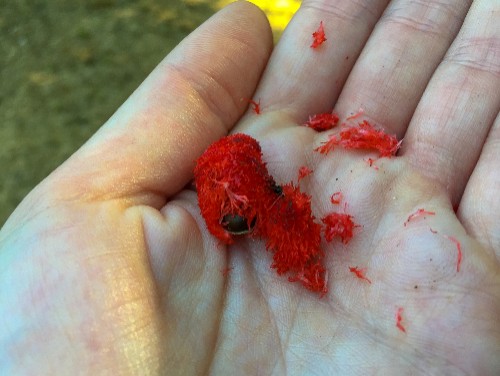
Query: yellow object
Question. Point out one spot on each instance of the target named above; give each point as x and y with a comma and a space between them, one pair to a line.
279, 12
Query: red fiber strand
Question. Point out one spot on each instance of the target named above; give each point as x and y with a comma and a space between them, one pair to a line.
399, 319
417, 214
318, 36
255, 105
338, 225
459, 250
364, 136
360, 273
322, 122
232, 181
303, 172
432, 230
355, 115
371, 163
336, 198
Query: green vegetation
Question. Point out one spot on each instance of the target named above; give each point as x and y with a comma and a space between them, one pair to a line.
66, 66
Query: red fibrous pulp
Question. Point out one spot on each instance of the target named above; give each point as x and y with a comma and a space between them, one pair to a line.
322, 122
364, 136
291, 232
232, 180
318, 36
338, 225
360, 273
303, 172
336, 198
255, 106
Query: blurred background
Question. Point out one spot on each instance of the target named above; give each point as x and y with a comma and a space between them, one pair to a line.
67, 65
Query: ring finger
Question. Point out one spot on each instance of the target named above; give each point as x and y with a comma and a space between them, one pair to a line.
399, 59
300, 80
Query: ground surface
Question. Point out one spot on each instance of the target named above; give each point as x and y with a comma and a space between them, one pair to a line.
65, 66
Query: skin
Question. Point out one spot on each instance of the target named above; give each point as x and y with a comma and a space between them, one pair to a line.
106, 267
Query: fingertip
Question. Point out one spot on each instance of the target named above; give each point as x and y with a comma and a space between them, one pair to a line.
252, 19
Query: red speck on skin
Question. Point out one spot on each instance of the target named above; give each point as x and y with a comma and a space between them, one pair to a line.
355, 115
364, 136
371, 163
336, 198
322, 122
303, 172
459, 250
318, 36
232, 180
360, 273
314, 278
225, 271
255, 105
399, 319
338, 225
418, 213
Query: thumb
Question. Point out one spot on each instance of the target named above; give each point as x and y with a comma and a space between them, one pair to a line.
146, 151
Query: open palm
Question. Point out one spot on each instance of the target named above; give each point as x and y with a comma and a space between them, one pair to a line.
107, 266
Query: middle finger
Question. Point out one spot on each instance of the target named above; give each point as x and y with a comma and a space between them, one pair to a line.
300, 80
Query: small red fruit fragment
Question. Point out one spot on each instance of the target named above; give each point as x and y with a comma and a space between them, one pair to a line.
322, 122
371, 163
360, 273
459, 250
399, 319
303, 172
418, 213
318, 36
338, 225
255, 105
364, 136
355, 115
336, 198
314, 278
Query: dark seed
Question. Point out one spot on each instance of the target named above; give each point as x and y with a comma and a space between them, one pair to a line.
236, 224
277, 189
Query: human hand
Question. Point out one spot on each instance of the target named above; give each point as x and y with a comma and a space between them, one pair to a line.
107, 266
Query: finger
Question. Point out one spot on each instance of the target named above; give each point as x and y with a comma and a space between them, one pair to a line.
303, 81
148, 148
398, 61
460, 103
480, 207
